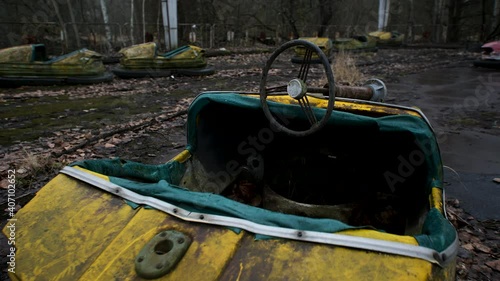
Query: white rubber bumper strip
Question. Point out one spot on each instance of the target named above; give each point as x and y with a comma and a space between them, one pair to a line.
363, 243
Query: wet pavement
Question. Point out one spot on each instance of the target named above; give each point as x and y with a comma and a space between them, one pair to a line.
462, 105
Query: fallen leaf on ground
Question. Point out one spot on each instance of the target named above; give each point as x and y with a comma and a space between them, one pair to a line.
494, 265
4, 184
468, 247
482, 248
115, 140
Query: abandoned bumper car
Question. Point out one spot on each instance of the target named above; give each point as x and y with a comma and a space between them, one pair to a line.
30, 65
490, 57
297, 182
325, 44
143, 60
356, 43
386, 38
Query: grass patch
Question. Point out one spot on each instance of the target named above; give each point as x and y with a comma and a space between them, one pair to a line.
345, 70
465, 122
35, 162
35, 168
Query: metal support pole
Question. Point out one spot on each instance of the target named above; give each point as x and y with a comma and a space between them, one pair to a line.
170, 26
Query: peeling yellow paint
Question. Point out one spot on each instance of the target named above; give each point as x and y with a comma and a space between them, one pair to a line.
182, 157
436, 199
347, 106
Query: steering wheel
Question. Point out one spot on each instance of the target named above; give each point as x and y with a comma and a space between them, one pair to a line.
297, 89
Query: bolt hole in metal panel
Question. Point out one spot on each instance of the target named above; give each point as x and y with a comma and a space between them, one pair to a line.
160, 255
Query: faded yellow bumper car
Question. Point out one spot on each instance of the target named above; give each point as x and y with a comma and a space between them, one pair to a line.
386, 38
30, 65
143, 60
296, 182
357, 43
325, 44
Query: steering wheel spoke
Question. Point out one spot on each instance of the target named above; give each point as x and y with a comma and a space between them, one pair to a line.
308, 111
277, 89
306, 64
297, 90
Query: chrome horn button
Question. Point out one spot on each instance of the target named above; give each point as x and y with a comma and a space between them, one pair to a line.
296, 88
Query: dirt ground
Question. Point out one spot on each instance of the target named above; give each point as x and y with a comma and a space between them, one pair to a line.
144, 121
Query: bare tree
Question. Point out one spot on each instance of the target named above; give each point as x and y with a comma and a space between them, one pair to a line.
158, 25
325, 15
131, 21
454, 19
75, 27
437, 19
387, 13
61, 23
496, 14
106, 23
410, 36
495, 21
383, 13
143, 23
287, 12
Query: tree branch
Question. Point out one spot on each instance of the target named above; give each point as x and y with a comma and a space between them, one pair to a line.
259, 21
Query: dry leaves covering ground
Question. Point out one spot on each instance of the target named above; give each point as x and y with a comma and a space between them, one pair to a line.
479, 252
149, 136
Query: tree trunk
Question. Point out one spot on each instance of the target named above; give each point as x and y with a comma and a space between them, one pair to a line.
483, 20
454, 18
325, 15
132, 22
386, 15
61, 23
496, 15
75, 27
410, 35
105, 18
495, 21
158, 22
143, 23
287, 13
383, 13
437, 21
